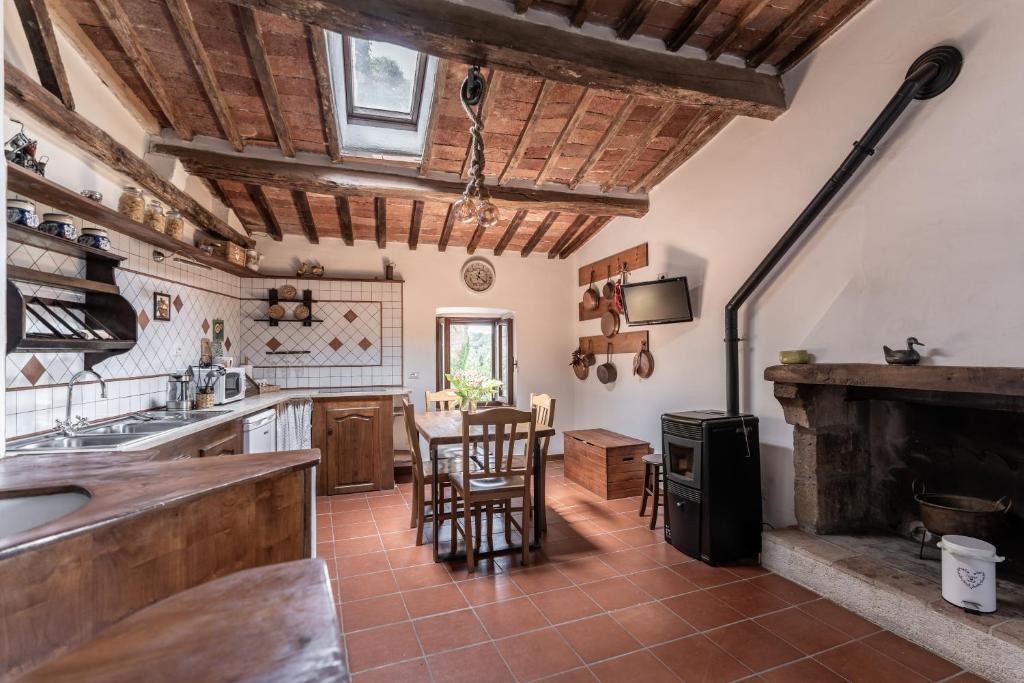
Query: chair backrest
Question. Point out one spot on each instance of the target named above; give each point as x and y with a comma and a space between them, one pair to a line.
414, 441
502, 428
545, 407
440, 400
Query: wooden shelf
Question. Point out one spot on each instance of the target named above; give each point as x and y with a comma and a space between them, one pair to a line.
32, 237
286, 320
623, 342
60, 281
41, 343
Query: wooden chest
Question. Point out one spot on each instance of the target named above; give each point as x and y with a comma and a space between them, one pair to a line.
608, 464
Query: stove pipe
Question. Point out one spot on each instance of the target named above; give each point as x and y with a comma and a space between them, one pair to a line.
929, 75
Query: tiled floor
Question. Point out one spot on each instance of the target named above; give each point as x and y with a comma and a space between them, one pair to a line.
606, 600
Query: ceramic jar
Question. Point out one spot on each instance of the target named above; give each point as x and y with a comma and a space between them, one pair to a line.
22, 212
96, 238
252, 259
132, 204
58, 225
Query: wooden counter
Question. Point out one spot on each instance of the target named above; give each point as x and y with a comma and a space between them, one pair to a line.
274, 623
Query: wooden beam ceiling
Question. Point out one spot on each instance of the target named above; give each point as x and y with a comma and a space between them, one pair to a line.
186, 27
613, 129
581, 12
691, 22
833, 24
584, 236
783, 31
440, 83
633, 19
690, 140
42, 42
261, 66
345, 220
474, 241
446, 232
716, 48
527, 133
302, 208
380, 221
567, 236
414, 224
471, 35
342, 180
259, 200
586, 97
321, 69
657, 123
510, 231
539, 233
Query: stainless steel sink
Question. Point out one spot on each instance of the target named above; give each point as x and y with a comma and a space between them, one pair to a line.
80, 442
23, 511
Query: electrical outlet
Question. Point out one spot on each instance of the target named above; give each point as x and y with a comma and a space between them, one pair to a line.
414, 375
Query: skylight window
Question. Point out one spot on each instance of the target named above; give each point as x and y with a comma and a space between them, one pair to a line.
383, 82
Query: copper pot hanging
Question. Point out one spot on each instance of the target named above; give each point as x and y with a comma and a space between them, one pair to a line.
591, 297
643, 362
606, 372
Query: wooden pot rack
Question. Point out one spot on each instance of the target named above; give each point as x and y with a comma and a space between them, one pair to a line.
628, 260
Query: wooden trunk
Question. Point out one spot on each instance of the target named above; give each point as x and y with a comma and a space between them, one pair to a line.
608, 464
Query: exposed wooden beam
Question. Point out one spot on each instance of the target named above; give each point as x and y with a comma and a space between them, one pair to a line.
613, 129
474, 241
339, 179
414, 224
567, 130
634, 19
583, 237
722, 41
380, 221
690, 23
820, 36
446, 231
440, 81
345, 220
567, 236
42, 43
183, 22
539, 233
31, 97
581, 12
124, 31
259, 200
493, 85
703, 127
322, 71
261, 65
522, 6
470, 34
528, 129
657, 123
510, 231
102, 67
301, 202
782, 32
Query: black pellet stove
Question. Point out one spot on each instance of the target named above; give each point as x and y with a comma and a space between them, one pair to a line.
712, 485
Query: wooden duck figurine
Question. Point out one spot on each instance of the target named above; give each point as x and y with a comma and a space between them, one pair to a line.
908, 356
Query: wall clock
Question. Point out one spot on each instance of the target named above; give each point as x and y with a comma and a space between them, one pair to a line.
478, 275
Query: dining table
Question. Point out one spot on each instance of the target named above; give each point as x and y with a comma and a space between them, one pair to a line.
444, 428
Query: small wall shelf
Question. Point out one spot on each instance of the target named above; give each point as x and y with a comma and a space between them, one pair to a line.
273, 298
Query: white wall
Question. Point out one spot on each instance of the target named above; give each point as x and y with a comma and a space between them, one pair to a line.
925, 242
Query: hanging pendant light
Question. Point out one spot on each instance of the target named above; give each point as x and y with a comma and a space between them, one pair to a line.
475, 205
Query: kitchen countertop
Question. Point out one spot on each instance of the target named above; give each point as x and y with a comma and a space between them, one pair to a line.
274, 623
125, 485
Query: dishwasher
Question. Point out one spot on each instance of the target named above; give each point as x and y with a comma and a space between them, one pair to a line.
259, 432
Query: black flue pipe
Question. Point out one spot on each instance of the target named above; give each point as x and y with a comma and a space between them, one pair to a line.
931, 74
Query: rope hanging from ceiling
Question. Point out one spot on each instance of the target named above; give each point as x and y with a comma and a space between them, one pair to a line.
475, 204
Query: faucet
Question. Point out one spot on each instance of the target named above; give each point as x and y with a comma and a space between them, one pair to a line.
67, 426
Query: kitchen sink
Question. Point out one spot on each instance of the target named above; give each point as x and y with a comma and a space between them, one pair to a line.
24, 511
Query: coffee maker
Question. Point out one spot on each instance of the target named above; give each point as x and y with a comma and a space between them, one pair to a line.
179, 391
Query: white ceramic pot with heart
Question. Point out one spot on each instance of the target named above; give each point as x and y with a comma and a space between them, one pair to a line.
969, 573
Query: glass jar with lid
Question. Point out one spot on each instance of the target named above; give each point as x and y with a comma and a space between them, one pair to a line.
155, 217
175, 224
131, 203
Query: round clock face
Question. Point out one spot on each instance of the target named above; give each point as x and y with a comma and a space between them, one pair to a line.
478, 275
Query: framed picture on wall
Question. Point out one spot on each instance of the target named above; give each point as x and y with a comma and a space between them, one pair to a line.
161, 306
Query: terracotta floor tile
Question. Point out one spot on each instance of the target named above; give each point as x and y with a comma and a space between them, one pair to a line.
537, 654
966, 677
449, 631
355, 531
748, 599
862, 664
421, 576
598, 638
587, 570
666, 554
638, 666
580, 675
607, 543
471, 665
433, 600
615, 593
346, 503
363, 614
408, 557
398, 539
752, 645
619, 522
636, 538
702, 610
747, 571
489, 589
393, 525
384, 645
929, 665
510, 617
413, 671
784, 588
629, 561
565, 604
350, 517
652, 623
357, 546
697, 660
840, 618
662, 582
366, 586
537, 579
704, 575
385, 501
803, 671
351, 565
802, 631
325, 549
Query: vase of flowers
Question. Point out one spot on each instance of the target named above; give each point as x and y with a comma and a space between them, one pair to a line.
471, 387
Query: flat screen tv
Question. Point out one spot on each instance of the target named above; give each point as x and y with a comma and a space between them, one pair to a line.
657, 302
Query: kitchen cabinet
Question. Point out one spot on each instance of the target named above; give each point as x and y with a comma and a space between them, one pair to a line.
224, 439
355, 439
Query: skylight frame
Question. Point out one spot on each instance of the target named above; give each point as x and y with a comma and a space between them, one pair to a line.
383, 116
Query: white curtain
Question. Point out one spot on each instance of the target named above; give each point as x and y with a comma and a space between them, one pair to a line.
295, 425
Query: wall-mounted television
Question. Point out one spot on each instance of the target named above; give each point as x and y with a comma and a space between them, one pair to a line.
657, 302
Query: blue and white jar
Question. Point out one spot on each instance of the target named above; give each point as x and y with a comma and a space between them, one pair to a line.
96, 238
58, 225
22, 212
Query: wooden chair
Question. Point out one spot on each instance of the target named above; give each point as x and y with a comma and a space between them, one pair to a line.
544, 406
440, 400
652, 484
500, 478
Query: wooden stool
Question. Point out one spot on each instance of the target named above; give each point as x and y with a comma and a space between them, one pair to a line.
652, 485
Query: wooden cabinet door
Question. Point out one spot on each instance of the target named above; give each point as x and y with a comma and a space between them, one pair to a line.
352, 458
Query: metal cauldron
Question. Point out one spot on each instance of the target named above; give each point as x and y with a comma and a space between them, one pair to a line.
945, 514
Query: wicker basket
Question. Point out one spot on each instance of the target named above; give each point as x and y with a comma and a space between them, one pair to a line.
204, 400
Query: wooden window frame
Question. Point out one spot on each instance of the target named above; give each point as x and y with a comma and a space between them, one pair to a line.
443, 352
383, 116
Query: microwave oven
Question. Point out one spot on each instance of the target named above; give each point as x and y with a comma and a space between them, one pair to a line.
228, 387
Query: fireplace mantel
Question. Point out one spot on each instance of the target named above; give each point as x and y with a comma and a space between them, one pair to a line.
946, 378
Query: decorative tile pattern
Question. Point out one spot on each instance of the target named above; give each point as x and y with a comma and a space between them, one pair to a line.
273, 344
350, 316
206, 326
33, 370
143, 319
335, 344
178, 303
365, 343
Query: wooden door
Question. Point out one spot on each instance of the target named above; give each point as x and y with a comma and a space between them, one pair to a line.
352, 458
